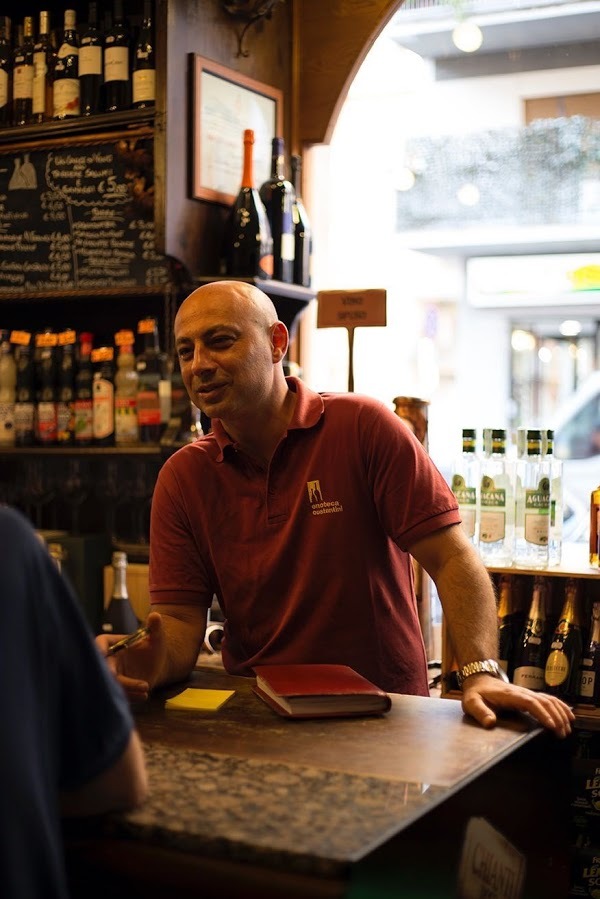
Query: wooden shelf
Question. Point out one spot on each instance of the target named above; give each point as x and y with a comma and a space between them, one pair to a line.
142, 449
574, 563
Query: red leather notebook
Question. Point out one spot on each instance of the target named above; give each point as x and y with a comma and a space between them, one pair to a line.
319, 691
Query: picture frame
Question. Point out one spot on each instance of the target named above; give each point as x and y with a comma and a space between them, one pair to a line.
225, 103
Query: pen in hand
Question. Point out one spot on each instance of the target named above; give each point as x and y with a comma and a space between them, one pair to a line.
128, 641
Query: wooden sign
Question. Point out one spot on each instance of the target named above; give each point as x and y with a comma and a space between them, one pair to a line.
351, 309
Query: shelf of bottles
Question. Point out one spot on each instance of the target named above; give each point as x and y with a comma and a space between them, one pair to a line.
56, 69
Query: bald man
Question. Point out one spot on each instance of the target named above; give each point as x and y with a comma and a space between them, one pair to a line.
300, 512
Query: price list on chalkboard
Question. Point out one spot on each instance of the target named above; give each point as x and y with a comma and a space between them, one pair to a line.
78, 218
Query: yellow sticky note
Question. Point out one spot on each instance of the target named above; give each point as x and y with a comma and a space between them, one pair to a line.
199, 700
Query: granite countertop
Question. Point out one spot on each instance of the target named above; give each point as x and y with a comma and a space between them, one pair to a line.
310, 797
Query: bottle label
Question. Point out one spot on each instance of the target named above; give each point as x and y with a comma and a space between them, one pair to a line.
65, 416
492, 526
103, 420
66, 97
126, 421
116, 64
24, 419
67, 50
3, 88
90, 61
39, 93
529, 676
7, 423
83, 420
23, 82
537, 517
465, 495
288, 247
557, 668
144, 85
468, 520
148, 406
587, 683
46, 422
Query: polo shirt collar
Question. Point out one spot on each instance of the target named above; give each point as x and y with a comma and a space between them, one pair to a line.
307, 413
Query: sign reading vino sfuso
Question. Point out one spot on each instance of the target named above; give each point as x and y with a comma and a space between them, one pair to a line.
79, 217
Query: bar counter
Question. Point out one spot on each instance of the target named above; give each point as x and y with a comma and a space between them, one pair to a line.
246, 803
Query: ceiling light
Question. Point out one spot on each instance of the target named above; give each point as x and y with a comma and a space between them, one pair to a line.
570, 328
467, 36
522, 341
405, 179
468, 195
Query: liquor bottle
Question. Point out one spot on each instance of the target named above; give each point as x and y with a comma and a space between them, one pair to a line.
248, 245
497, 504
23, 76
595, 527
532, 647
532, 509
466, 478
46, 372
589, 684
148, 367
25, 389
90, 65
509, 624
119, 617
562, 673
83, 391
143, 79
6, 56
126, 387
103, 396
65, 406
66, 88
277, 194
302, 228
556, 501
8, 382
43, 72
117, 85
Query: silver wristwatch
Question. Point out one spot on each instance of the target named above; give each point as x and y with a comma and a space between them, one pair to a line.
486, 666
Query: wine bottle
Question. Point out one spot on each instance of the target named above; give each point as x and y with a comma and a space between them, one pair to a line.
532, 647
46, 370
65, 406
302, 228
595, 527
465, 484
148, 367
589, 684
117, 84
508, 625
119, 617
532, 510
126, 389
103, 396
277, 194
66, 88
90, 64
562, 673
144, 66
83, 391
497, 504
43, 72
248, 245
23, 76
5, 73
25, 389
8, 382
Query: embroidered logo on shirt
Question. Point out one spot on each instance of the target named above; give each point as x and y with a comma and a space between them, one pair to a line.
318, 505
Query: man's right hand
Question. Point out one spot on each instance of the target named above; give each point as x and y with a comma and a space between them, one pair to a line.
138, 667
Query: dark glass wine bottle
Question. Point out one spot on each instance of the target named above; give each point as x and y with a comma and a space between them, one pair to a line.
119, 617
65, 406
90, 64
302, 228
117, 83
508, 625
23, 76
43, 72
83, 391
589, 684
144, 66
46, 372
248, 245
25, 390
66, 89
562, 673
103, 396
532, 647
148, 367
5, 72
277, 195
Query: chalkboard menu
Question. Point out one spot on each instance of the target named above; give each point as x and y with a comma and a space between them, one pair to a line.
79, 217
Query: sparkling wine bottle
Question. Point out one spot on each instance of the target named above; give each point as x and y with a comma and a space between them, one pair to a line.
277, 195
589, 685
144, 65
119, 617
248, 245
302, 228
562, 673
532, 647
